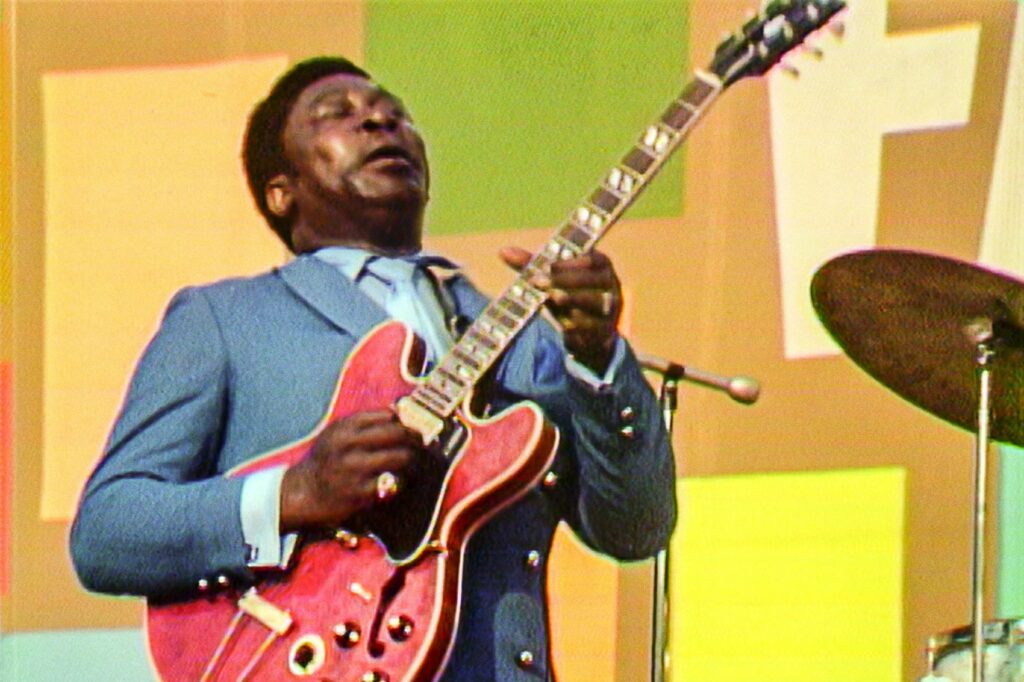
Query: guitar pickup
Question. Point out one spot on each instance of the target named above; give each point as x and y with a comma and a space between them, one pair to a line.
419, 419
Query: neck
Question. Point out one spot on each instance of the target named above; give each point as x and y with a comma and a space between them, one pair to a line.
386, 231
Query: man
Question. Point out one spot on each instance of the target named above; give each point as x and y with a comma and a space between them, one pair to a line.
243, 366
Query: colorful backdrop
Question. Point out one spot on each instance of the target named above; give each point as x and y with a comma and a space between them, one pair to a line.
825, 531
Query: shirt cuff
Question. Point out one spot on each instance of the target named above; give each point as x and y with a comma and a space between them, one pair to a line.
261, 520
589, 377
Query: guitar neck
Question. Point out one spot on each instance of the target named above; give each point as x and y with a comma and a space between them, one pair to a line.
454, 377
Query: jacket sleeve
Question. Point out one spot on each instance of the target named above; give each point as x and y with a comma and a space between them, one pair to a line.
156, 515
616, 467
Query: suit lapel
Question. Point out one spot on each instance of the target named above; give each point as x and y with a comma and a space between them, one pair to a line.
340, 302
332, 295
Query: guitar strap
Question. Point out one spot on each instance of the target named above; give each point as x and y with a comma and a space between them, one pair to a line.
457, 324
439, 278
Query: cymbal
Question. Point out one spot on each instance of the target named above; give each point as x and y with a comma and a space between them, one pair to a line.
912, 321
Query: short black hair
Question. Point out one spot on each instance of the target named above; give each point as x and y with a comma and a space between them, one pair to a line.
263, 146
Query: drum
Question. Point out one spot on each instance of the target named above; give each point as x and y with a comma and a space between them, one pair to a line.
950, 653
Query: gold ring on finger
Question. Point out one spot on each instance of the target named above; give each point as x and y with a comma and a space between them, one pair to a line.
387, 485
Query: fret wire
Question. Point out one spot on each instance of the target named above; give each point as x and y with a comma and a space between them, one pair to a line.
478, 350
463, 370
435, 391
450, 376
578, 235
605, 199
422, 396
513, 306
594, 217
482, 338
504, 322
638, 160
471, 362
529, 295
575, 225
632, 173
481, 356
615, 190
659, 139
678, 115
697, 91
567, 245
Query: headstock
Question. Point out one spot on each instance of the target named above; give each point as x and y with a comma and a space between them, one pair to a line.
779, 27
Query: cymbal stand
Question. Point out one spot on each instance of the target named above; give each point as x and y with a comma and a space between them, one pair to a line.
981, 333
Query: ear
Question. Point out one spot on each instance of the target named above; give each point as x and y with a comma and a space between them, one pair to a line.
278, 193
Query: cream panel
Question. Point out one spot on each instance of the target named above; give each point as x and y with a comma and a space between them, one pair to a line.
827, 129
143, 185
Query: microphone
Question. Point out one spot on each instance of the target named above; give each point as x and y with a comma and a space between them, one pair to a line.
742, 389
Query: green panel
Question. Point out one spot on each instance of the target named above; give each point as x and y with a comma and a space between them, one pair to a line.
1010, 593
79, 655
525, 104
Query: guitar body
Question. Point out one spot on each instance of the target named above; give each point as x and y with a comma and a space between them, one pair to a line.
349, 610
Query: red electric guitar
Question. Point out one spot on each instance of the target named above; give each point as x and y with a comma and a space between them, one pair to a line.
380, 602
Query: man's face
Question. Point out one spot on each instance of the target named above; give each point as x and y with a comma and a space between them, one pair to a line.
351, 141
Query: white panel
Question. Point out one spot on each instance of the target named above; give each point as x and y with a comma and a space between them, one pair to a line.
827, 129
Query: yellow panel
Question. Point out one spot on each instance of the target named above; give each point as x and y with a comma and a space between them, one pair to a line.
144, 194
789, 578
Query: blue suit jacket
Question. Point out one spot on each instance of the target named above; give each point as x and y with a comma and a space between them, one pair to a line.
243, 366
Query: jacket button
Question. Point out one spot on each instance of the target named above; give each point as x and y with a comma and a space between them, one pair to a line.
550, 479
533, 559
524, 659
627, 432
627, 414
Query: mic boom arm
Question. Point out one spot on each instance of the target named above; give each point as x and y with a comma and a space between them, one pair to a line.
742, 389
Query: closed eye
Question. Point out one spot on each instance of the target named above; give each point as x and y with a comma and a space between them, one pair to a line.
333, 111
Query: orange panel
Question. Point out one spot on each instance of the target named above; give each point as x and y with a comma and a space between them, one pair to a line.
6, 403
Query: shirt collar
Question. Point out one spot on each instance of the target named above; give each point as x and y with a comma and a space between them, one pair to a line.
352, 261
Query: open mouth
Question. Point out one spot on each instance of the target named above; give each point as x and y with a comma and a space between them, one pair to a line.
392, 155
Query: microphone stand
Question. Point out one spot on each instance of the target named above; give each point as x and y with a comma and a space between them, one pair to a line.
741, 389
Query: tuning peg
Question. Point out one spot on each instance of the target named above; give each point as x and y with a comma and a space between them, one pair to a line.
789, 70
814, 51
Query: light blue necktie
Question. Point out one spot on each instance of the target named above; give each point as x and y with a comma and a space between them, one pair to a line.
411, 300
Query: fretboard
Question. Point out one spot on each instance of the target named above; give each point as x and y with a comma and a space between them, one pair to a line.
451, 381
